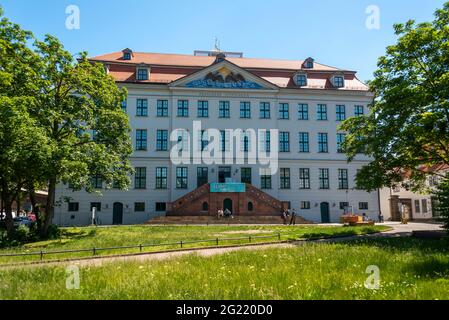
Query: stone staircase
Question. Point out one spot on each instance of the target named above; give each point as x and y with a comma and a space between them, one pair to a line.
209, 220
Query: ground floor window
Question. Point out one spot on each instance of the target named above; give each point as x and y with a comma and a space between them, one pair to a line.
344, 205
305, 205
74, 206
246, 175
161, 207
363, 206
139, 207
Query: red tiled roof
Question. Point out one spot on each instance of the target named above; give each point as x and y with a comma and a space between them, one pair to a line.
166, 68
164, 59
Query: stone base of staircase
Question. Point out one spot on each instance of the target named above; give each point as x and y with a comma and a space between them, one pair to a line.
209, 220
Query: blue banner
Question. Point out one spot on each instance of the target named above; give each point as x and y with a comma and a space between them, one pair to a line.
232, 187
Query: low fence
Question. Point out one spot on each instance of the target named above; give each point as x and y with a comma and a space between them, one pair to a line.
141, 247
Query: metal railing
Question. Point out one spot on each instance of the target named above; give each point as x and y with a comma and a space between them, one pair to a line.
181, 244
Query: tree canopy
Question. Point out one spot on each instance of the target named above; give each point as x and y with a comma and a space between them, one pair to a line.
407, 127
70, 107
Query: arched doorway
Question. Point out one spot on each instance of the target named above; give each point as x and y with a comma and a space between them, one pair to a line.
325, 214
227, 204
117, 213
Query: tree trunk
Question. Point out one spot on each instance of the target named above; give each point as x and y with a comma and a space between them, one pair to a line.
9, 221
50, 207
32, 195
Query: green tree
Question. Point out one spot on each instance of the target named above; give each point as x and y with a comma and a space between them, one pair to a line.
79, 107
24, 149
408, 125
442, 195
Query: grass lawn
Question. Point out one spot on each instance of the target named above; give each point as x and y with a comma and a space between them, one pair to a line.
91, 237
409, 269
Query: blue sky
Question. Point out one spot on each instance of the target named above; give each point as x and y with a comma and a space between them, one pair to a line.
332, 32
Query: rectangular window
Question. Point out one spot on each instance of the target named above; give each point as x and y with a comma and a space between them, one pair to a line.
245, 110
183, 140
303, 111
246, 176
162, 140
74, 206
301, 80
203, 109
225, 143
359, 111
181, 178
304, 178
265, 179
265, 141
203, 140
265, 110
141, 140
424, 206
161, 207
285, 178
340, 140
139, 207
344, 205
183, 108
304, 146
202, 176
162, 108
341, 113
284, 111
161, 178
140, 178
245, 142
142, 108
142, 74
97, 182
96, 205
323, 143
124, 105
284, 142
225, 110
305, 205
343, 179
417, 206
363, 205
322, 112
324, 179
339, 82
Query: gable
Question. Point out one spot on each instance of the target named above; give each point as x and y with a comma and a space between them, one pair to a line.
224, 75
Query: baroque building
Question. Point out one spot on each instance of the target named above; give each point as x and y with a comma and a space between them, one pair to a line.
303, 101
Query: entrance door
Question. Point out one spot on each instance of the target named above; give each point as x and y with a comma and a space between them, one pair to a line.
223, 174
117, 215
325, 214
227, 204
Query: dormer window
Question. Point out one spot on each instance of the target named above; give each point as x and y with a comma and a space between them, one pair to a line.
338, 81
308, 64
127, 54
142, 74
301, 80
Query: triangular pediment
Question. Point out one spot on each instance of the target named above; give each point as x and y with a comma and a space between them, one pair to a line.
223, 75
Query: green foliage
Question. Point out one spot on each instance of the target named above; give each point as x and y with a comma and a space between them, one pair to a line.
408, 124
57, 103
442, 195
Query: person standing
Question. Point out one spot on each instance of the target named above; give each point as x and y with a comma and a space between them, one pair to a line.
293, 218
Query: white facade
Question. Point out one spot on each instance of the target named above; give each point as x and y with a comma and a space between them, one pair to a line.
293, 160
